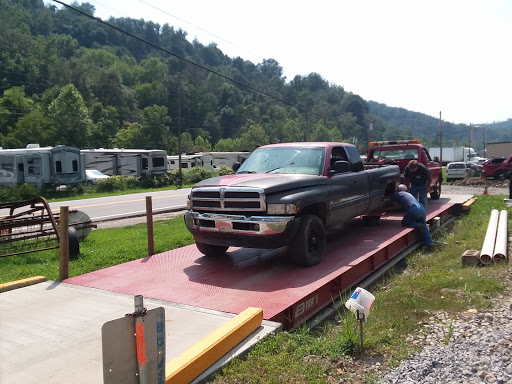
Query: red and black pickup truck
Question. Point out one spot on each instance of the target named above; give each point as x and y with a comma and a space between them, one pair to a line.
400, 152
287, 195
497, 168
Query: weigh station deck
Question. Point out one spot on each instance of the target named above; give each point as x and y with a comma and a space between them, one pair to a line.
54, 336
266, 278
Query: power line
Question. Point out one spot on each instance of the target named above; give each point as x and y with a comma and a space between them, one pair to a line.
190, 61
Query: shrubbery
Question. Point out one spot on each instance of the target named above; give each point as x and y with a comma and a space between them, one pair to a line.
112, 184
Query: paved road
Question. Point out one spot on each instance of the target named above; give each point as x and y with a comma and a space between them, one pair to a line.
116, 207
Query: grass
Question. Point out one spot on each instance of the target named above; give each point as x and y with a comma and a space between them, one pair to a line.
405, 299
102, 248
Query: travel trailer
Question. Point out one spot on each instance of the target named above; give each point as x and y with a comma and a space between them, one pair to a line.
126, 162
190, 161
41, 166
227, 158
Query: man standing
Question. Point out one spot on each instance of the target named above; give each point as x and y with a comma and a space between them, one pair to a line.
417, 179
415, 216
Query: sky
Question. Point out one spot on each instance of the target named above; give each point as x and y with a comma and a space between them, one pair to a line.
439, 57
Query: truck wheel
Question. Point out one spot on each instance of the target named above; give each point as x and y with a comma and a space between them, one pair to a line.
500, 175
436, 193
74, 245
371, 221
211, 250
309, 246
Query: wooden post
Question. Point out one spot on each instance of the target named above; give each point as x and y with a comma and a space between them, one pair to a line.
63, 244
149, 220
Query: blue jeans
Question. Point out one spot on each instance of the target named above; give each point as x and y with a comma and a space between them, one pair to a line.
420, 193
415, 218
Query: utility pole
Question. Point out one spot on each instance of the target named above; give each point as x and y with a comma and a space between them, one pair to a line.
469, 149
440, 139
179, 136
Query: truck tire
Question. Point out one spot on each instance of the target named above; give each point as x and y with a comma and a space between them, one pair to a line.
436, 193
371, 221
309, 246
211, 250
500, 175
74, 245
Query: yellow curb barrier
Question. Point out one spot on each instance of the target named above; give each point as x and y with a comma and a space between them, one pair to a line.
21, 283
202, 355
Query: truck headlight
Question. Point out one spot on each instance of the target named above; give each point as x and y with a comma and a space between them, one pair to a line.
189, 203
281, 209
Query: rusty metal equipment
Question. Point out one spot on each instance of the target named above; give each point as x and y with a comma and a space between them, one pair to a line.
31, 226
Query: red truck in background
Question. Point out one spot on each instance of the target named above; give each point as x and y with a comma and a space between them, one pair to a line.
497, 168
400, 152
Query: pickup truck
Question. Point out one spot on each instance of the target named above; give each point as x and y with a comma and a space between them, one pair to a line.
287, 195
400, 152
497, 168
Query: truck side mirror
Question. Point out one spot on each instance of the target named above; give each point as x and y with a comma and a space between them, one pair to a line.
340, 167
436, 159
236, 166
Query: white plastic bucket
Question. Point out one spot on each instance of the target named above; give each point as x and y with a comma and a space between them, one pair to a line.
362, 301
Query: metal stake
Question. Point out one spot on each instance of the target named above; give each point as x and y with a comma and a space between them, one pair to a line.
360, 320
140, 343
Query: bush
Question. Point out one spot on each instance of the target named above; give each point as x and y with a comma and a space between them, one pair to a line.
21, 192
113, 183
196, 174
223, 170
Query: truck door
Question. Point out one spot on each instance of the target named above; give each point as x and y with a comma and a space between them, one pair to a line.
348, 192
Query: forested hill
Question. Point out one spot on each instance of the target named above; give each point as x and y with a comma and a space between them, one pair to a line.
66, 78
428, 127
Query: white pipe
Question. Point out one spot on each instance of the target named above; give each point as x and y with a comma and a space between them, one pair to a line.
490, 238
500, 248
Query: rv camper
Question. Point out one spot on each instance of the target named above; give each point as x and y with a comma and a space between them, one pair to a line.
190, 161
227, 158
126, 162
58, 165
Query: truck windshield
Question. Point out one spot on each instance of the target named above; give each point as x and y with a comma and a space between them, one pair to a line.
394, 154
296, 160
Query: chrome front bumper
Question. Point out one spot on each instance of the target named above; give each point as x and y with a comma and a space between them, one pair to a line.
250, 225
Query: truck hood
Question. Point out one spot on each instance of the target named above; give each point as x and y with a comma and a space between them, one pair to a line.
269, 182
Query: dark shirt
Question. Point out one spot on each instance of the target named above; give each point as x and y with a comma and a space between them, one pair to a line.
405, 199
418, 178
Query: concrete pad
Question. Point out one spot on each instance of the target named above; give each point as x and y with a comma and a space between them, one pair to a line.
51, 332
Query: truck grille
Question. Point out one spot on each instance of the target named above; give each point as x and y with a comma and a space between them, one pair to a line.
225, 199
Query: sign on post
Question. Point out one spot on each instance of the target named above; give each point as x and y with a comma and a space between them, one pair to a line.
134, 348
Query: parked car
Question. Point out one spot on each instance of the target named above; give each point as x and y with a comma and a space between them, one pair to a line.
92, 176
459, 170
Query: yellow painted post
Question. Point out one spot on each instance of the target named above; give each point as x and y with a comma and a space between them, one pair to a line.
63, 244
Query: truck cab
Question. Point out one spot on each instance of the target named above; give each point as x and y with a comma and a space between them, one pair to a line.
401, 152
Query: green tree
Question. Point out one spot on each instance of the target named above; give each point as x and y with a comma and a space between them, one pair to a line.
253, 136
320, 133
70, 118
228, 145
34, 127
15, 105
155, 126
129, 136
202, 145
292, 132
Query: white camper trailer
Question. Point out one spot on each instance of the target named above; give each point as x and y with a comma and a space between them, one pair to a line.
190, 160
58, 165
126, 162
227, 158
